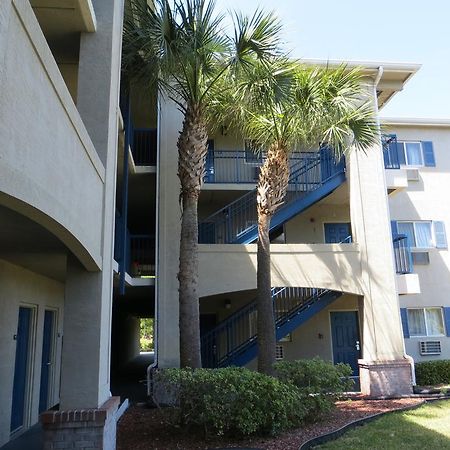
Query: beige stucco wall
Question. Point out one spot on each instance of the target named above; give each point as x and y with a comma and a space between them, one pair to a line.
50, 170
427, 199
22, 287
309, 226
305, 339
230, 268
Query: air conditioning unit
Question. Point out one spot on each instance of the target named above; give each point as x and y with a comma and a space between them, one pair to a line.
420, 258
430, 347
412, 174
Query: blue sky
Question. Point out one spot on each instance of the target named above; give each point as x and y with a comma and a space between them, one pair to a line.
408, 31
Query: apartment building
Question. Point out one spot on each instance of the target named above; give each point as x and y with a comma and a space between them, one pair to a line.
420, 217
336, 286
59, 126
348, 281
89, 232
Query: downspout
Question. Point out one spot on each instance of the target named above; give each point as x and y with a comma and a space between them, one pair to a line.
375, 85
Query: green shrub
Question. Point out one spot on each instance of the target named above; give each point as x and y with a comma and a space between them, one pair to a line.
319, 382
430, 373
231, 400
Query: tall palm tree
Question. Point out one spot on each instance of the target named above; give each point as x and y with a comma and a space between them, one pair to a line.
181, 46
282, 106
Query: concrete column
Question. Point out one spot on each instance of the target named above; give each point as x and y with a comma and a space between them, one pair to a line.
168, 237
86, 355
382, 338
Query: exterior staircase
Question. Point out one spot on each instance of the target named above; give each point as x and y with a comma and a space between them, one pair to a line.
314, 176
233, 342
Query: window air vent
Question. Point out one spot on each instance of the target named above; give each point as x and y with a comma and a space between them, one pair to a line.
421, 258
430, 347
279, 352
412, 174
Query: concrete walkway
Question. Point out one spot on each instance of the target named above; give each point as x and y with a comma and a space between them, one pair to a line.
32, 439
130, 383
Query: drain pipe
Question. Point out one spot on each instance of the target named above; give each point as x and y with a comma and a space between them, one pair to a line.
405, 355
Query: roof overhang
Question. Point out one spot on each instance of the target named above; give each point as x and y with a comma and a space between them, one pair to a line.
393, 76
416, 122
62, 17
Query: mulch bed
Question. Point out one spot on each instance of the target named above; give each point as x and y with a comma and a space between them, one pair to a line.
145, 429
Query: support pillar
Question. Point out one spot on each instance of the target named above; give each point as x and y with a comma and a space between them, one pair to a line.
385, 370
86, 400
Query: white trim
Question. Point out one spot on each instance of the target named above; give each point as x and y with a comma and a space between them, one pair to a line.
425, 321
430, 122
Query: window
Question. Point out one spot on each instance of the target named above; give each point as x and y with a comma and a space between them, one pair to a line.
253, 153
424, 234
425, 322
419, 233
416, 154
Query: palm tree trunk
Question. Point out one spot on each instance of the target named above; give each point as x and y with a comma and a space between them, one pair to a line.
266, 320
272, 187
191, 166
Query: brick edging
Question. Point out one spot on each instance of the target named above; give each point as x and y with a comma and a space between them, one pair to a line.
95, 416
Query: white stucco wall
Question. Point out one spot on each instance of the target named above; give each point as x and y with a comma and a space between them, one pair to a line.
22, 287
427, 199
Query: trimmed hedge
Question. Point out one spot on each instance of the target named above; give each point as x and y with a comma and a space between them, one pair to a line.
232, 400
319, 382
430, 373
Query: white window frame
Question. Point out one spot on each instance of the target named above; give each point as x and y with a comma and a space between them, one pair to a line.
425, 321
405, 153
413, 244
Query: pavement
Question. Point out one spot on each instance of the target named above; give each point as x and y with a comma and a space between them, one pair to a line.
129, 383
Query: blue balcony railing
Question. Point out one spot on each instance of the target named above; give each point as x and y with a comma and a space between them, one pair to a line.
144, 147
232, 223
402, 254
142, 255
390, 152
235, 166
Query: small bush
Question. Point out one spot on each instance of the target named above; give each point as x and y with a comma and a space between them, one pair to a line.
430, 373
320, 382
232, 400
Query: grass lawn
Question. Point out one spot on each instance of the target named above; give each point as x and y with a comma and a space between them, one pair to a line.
427, 427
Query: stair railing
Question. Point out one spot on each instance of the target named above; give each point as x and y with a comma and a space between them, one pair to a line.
229, 339
227, 224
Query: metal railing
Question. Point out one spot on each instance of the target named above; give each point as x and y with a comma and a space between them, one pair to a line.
235, 166
144, 147
221, 345
402, 254
307, 174
142, 255
390, 152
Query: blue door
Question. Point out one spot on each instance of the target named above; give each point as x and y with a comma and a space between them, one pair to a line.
46, 362
21, 368
345, 335
337, 232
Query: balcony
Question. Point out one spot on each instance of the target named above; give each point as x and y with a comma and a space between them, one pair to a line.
135, 256
402, 254
396, 178
238, 166
407, 281
50, 170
